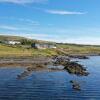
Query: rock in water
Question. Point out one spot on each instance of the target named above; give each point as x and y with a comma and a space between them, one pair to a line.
75, 85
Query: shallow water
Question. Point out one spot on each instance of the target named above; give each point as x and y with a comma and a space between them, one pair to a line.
50, 85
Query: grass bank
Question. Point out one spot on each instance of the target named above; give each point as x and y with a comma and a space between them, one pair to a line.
73, 49
17, 51
25, 50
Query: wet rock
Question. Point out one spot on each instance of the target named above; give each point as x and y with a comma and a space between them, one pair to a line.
71, 66
23, 75
61, 60
79, 56
75, 68
75, 85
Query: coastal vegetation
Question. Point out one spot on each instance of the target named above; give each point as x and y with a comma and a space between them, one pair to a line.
24, 54
25, 50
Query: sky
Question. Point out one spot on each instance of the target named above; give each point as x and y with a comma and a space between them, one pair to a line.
65, 21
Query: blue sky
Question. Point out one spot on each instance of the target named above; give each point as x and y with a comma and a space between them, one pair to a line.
71, 21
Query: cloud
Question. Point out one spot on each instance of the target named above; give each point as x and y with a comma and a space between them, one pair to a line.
48, 37
21, 21
38, 36
22, 1
84, 40
35, 35
62, 12
29, 21
8, 27
11, 28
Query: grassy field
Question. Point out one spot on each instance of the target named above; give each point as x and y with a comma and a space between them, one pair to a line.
13, 51
7, 51
10, 51
21, 51
80, 49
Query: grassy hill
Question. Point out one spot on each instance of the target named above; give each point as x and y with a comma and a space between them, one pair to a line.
21, 51
5, 38
18, 38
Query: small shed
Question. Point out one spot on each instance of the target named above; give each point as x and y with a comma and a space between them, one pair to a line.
42, 45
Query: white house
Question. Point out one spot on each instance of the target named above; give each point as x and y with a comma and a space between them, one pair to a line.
12, 42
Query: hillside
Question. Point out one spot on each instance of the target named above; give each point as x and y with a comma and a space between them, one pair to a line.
22, 51
17, 38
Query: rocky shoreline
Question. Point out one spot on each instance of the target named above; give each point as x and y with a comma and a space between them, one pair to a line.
73, 67
41, 63
23, 61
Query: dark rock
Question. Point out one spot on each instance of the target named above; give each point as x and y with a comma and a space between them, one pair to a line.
75, 68
71, 66
79, 56
75, 85
61, 60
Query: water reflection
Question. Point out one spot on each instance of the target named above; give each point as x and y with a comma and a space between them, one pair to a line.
39, 67
24, 75
53, 85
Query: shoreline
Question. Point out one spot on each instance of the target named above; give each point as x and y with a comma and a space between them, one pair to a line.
30, 61
23, 61
42, 63
39, 60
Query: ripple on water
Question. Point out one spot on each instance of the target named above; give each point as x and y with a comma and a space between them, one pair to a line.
49, 85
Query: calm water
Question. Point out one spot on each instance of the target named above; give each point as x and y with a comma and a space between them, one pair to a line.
50, 85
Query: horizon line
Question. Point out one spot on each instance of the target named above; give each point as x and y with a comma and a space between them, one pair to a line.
53, 41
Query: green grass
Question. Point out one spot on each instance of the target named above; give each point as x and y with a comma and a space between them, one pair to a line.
18, 51
22, 51
14, 51
80, 49
44, 52
9, 51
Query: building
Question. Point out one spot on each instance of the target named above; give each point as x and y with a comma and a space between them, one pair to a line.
12, 42
42, 46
